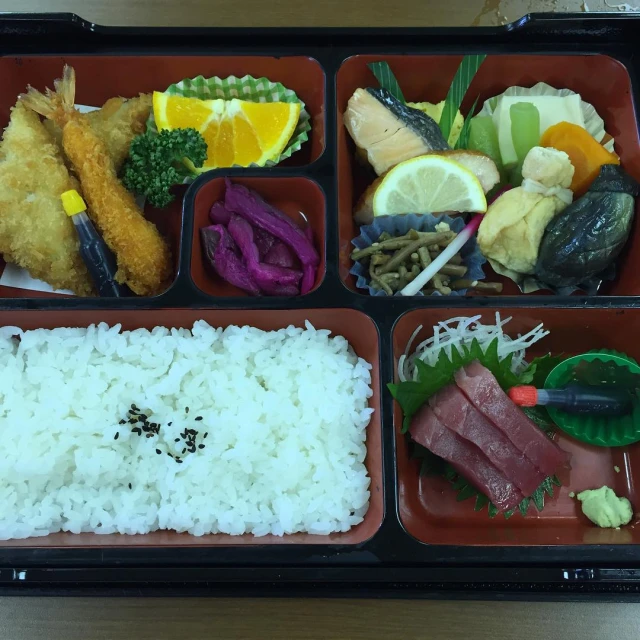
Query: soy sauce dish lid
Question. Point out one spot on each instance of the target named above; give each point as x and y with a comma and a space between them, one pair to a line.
600, 431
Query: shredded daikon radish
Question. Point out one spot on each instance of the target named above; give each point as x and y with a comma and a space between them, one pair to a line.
461, 332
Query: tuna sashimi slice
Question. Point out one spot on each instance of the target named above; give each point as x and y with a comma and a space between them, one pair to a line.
484, 392
455, 412
465, 458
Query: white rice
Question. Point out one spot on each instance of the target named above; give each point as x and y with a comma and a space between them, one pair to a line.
285, 411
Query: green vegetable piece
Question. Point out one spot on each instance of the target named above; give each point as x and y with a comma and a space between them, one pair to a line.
384, 75
483, 137
525, 133
461, 81
604, 508
156, 162
525, 128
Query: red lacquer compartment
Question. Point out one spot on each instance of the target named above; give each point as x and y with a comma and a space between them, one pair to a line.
600, 80
356, 327
99, 78
428, 507
292, 195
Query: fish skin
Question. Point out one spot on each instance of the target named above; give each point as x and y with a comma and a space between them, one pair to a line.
389, 131
35, 232
424, 126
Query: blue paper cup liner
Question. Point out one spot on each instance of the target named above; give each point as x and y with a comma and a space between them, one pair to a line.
401, 225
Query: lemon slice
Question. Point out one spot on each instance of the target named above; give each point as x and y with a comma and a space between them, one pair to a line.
237, 132
428, 184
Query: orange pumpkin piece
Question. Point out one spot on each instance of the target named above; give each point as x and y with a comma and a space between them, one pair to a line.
586, 154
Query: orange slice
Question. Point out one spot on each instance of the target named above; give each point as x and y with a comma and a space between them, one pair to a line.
237, 132
177, 112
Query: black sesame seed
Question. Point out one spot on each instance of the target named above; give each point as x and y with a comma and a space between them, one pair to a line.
178, 461
184, 451
149, 435
117, 435
169, 424
206, 434
198, 418
186, 410
170, 454
177, 440
122, 422
129, 485
158, 451
143, 416
137, 430
200, 446
133, 406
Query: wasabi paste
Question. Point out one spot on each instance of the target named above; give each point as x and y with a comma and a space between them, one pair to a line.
604, 508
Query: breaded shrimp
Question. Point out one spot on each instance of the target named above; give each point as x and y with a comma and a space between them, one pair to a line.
143, 256
35, 232
117, 123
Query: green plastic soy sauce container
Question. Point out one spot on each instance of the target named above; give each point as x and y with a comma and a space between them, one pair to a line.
596, 430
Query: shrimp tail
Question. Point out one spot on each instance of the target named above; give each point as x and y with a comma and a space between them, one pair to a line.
55, 105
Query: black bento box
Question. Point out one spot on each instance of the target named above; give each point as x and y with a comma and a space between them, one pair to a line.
405, 547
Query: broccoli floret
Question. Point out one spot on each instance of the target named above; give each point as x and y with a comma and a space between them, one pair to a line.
156, 162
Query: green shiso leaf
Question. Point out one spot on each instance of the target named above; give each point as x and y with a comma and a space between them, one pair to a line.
411, 395
538, 371
461, 81
431, 378
384, 75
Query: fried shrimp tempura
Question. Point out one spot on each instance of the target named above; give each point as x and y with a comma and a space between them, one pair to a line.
117, 123
143, 256
35, 232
